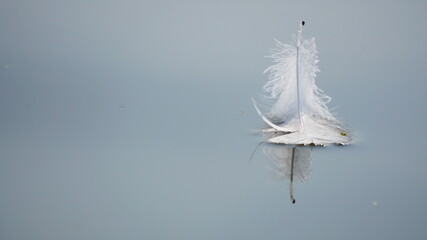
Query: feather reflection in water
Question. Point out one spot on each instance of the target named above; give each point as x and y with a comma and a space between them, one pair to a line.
293, 163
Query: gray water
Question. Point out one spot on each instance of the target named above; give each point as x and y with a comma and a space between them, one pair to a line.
133, 120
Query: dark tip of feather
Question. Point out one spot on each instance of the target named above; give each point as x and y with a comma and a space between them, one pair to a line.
303, 23
293, 201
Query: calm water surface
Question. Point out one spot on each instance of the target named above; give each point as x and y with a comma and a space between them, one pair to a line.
133, 120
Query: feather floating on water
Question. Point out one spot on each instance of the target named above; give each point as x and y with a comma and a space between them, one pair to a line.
299, 112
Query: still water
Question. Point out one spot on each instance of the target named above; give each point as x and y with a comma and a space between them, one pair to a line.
133, 120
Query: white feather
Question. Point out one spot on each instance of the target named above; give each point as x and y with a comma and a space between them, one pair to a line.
299, 108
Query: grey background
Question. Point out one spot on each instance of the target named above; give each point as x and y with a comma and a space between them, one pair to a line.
122, 120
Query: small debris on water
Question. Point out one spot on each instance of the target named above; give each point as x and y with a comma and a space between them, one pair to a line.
375, 204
